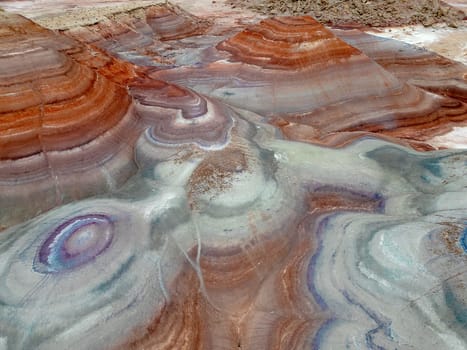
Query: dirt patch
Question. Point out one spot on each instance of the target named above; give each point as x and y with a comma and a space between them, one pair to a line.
374, 13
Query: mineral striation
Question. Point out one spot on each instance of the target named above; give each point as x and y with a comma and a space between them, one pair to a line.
170, 183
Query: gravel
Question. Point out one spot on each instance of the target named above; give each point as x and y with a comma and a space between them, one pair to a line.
373, 13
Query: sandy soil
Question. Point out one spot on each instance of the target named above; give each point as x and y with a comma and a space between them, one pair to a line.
219, 10
374, 13
64, 14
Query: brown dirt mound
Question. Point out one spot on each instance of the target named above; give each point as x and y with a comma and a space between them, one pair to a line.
374, 13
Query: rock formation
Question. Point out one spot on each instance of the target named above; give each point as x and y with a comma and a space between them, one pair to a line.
166, 183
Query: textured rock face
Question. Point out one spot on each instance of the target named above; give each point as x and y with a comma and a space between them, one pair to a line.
143, 34
317, 88
414, 65
166, 183
62, 122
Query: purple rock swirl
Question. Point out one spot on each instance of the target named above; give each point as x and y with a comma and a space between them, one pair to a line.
74, 243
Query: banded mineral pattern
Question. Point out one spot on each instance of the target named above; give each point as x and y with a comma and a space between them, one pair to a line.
167, 182
281, 67
411, 64
57, 116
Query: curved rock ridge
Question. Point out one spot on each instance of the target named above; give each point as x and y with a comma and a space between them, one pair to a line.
56, 109
314, 86
145, 36
293, 43
48, 99
170, 23
58, 118
256, 324
179, 116
412, 64
411, 125
179, 264
65, 253
392, 270
262, 193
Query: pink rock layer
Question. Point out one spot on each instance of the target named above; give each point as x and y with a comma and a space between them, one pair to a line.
411, 64
76, 120
319, 89
61, 121
68, 123
141, 35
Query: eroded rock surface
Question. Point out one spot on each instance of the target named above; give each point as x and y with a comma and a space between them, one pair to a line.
169, 183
